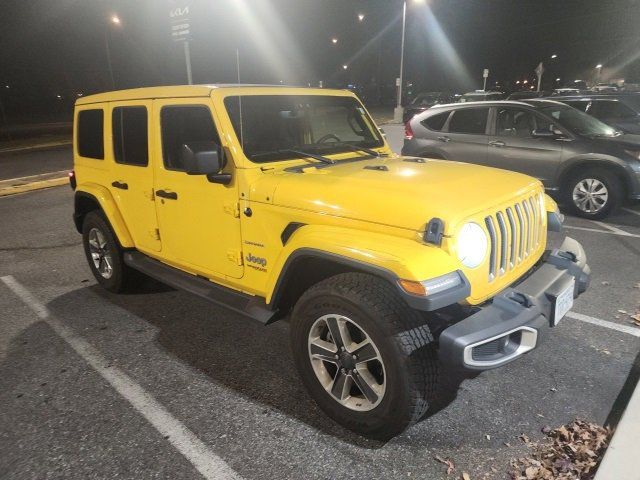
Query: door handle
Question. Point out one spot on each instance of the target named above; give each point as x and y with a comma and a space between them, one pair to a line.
497, 143
120, 185
166, 194
444, 139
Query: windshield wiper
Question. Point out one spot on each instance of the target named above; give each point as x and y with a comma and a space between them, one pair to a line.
355, 148
320, 158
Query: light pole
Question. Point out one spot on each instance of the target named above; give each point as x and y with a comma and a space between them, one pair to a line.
598, 70
115, 20
398, 112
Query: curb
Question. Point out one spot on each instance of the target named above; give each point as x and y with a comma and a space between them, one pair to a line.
620, 459
14, 186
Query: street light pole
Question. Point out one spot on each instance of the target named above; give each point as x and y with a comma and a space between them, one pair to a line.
187, 56
397, 114
106, 47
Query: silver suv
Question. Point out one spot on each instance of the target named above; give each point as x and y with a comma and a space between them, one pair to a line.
592, 167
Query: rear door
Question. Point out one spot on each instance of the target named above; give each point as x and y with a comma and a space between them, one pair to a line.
132, 175
513, 147
464, 137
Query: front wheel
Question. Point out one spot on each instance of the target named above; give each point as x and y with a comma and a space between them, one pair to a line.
594, 193
365, 357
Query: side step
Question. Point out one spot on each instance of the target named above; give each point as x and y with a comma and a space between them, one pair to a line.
247, 305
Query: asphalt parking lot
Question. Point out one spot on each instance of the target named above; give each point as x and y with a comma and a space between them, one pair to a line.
164, 385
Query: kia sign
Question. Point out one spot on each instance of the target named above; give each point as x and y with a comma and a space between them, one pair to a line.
180, 25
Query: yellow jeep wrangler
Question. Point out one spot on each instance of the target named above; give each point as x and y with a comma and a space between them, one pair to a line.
287, 202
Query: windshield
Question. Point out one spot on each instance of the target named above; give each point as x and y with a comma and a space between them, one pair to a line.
269, 127
579, 122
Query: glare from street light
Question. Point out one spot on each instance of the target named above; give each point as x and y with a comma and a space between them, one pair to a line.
334, 40
558, 79
554, 56
344, 67
525, 82
517, 82
115, 19
599, 65
360, 17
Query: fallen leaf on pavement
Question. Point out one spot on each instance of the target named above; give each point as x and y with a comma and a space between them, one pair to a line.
572, 452
465, 476
448, 462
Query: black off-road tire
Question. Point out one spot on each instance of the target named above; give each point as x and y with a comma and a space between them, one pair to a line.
614, 187
123, 278
400, 334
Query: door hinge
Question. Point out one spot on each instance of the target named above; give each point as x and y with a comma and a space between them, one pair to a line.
155, 233
235, 256
232, 208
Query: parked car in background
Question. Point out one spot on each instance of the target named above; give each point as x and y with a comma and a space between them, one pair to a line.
425, 100
482, 96
605, 87
523, 95
566, 91
620, 110
591, 166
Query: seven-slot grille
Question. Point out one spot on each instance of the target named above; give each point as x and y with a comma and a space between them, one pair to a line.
514, 233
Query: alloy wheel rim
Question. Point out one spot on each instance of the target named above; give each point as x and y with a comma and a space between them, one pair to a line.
100, 254
346, 362
590, 195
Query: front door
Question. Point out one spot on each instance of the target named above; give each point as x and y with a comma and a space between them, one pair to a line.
513, 147
199, 220
131, 183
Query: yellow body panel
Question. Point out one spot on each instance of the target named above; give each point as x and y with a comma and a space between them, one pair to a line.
376, 217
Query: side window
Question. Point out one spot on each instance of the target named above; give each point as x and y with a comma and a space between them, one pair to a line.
436, 122
130, 139
184, 124
579, 104
516, 122
91, 133
610, 109
469, 120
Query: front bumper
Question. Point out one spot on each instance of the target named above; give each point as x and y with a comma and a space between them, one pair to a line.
519, 317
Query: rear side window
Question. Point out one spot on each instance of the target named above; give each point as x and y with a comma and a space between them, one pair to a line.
184, 124
91, 133
130, 142
579, 104
469, 120
610, 109
436, 122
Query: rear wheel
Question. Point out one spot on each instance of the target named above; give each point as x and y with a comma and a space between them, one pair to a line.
594, 193
366, 358
104, 254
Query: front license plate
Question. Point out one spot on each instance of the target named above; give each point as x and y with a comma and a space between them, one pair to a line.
564, 302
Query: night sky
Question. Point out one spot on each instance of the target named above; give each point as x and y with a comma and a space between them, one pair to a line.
57, 47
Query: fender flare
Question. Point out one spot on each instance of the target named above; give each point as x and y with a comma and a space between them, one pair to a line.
389, 257
105, 200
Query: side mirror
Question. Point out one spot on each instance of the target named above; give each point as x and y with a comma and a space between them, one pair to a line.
201, 158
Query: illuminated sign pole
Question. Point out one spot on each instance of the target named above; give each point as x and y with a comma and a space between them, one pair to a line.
181, 32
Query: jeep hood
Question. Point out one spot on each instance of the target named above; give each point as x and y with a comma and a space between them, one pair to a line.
398, 191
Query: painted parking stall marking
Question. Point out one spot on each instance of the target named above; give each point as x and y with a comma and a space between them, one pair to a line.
184, 440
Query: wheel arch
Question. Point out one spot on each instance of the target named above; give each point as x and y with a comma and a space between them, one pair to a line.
591, 164
96, 197
316, 252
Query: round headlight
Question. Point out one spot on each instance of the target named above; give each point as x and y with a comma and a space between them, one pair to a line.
471, 245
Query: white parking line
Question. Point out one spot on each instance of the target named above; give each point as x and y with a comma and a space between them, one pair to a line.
184, 440
621, 233
631, 211
604, 323
611, 228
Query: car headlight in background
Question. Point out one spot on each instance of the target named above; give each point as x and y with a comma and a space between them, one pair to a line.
471, 245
